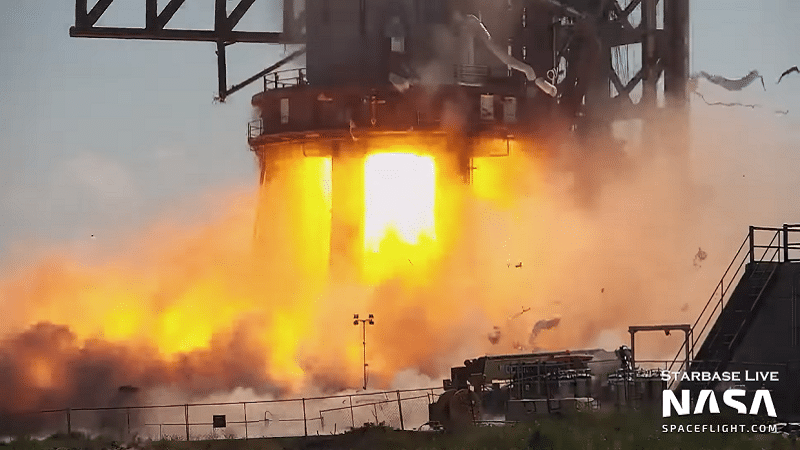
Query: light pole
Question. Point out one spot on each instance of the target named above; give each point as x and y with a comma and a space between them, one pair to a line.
369, 320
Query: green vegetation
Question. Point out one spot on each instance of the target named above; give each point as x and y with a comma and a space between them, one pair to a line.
583, 431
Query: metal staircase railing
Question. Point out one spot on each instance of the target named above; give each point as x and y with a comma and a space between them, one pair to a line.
778, 249
758, 281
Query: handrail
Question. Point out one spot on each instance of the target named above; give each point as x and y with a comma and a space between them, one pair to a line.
696, 337
779, 243
278, 80
755, 302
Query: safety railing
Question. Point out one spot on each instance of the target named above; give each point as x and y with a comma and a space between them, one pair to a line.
779, 248
401, 409
285, 78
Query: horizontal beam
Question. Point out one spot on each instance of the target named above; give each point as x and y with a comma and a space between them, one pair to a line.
681, 327
262, 37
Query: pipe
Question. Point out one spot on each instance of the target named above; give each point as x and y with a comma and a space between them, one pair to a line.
476, 28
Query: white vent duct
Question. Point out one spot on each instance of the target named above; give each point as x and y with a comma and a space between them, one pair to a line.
476, 29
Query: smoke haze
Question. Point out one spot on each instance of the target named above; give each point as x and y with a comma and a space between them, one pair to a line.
202, 309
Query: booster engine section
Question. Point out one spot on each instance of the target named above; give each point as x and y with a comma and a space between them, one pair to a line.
461, 67
521, 387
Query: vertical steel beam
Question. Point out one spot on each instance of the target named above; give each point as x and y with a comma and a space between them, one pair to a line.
288, 21
400, 409
785, 243
186, 420
676, 74
222, 71
649, 53
633, 348
352, 419
220, 16
81, 13
222, 29
244, 407
687, 333
151, 14
305, 421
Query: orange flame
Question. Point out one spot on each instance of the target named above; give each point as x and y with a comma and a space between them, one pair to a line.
435, 261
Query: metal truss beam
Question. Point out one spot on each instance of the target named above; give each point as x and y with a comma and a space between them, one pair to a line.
165, 15
155, 29
97, 10
156, 22
238, 12
176, 35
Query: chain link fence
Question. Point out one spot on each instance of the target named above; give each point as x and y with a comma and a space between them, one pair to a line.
400, 409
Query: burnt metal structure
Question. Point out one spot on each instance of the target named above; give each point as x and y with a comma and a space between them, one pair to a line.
522, 387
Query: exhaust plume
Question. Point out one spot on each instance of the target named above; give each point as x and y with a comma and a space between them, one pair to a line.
204, 310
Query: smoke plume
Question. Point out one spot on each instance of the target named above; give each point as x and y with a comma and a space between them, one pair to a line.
605, 240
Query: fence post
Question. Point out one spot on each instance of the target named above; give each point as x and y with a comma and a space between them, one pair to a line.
785, 243
352, 420
752, 245
244, 406
305, 422
69, 422
186, 418
400, 408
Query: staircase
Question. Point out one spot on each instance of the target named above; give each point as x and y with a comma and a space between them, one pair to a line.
732, 311
732, 323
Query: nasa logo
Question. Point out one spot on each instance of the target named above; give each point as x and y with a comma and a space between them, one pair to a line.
707, 396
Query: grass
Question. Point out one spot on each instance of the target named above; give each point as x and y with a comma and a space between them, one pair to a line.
583, 431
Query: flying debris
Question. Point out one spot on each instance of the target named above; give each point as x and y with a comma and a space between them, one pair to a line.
519, 265
519, 313
494, 336
699, 257
732, 84
745, 105
602, 290
544, 324
787, 72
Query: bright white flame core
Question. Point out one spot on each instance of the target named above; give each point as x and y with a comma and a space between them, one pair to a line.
400, 198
